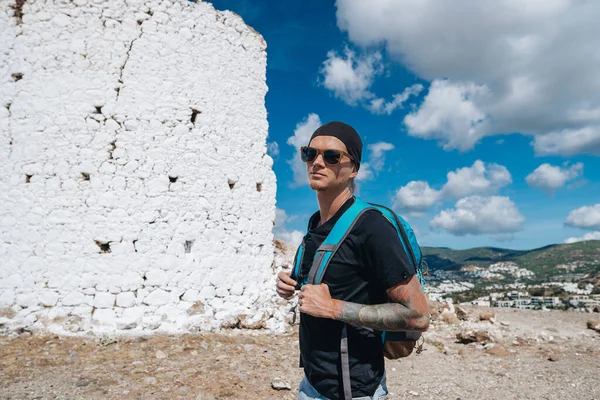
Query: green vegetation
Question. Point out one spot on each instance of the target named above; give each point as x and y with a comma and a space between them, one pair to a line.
542, 261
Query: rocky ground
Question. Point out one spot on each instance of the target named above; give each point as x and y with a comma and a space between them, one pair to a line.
470, 353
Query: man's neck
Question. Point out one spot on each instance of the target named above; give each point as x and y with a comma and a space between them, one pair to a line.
330, 203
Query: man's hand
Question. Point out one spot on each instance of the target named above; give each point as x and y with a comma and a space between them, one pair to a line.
316, 300
286, 286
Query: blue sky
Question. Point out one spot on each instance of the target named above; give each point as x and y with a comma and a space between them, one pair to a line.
480, 120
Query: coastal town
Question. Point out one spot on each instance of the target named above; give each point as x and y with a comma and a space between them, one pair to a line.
508, 285
525, 301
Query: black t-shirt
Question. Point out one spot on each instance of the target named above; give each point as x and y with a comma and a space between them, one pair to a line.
370, 260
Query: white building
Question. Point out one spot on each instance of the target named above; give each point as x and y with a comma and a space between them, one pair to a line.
136, 192
482, 302
510, 268
548, 301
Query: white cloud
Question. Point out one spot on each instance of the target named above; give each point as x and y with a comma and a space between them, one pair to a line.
496, 66
450, 115
587, 217
478, 215
569, 142
301, 136
350, 77
549, 178
281, 232
375, 162
415, 198
377, 155
380, 106
273, 149
588, 236
480, 178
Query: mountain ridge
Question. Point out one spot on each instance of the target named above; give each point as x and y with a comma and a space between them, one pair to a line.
536, 259
574, 263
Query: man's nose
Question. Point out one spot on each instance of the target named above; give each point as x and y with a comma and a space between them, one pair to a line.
319, 160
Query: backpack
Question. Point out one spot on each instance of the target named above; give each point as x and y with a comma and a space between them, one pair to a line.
396, 344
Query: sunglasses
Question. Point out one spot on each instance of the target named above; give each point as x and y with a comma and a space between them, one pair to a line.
331, 157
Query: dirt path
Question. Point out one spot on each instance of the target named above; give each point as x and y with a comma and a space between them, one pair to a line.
243, 366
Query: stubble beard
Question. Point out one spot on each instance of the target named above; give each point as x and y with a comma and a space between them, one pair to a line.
319, 186
316, 186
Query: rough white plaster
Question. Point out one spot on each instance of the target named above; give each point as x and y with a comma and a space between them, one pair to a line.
125, 299
132, 142
104, 300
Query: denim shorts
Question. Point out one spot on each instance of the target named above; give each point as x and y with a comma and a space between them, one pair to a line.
308, 392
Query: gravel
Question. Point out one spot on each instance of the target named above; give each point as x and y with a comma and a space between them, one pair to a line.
535, 355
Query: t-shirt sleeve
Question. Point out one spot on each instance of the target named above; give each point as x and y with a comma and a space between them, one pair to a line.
383, 251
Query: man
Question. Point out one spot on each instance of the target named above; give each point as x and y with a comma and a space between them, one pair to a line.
369, 266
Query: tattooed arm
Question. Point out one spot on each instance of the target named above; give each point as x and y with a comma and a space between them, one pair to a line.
407, 312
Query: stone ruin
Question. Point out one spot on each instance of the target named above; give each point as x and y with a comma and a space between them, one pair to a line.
136, 191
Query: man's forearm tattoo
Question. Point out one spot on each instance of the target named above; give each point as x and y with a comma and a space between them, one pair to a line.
383, 317
391, 317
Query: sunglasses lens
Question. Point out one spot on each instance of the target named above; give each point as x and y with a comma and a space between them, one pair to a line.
332, 156
308, 154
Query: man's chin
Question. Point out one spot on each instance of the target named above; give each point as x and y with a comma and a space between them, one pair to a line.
317, 186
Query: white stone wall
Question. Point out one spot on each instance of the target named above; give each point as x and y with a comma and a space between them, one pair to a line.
135, 188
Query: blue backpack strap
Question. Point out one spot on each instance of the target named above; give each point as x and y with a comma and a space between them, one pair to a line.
333, 241
295, 274
298, 261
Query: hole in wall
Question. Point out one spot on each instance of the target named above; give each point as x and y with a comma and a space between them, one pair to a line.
173, 179
17, 76
113, 147
28, 178
188, 246
18, 7
8, 106
194, 115
85, 176
104, 247
259, 187
231, 184
150, 12
98, 109
135, 248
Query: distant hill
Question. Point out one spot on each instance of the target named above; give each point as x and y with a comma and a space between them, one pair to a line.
542, 261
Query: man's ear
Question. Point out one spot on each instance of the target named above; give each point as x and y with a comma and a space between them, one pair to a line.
354, 172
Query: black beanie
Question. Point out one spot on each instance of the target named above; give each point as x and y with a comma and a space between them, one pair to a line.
346, 134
